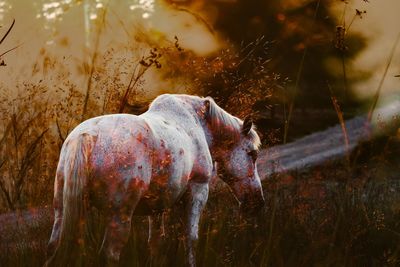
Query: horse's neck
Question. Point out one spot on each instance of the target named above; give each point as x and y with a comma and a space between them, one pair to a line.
221, 141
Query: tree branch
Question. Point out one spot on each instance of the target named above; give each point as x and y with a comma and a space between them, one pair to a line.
8, 31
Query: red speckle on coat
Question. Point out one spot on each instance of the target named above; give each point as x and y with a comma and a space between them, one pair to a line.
139, 137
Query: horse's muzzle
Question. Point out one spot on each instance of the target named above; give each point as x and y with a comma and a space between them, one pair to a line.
252, 205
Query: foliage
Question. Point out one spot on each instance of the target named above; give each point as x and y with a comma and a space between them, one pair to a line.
25, 158
303, 37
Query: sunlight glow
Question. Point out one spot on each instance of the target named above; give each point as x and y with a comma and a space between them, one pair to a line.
147, 6
93, 16
52, 10
4, 8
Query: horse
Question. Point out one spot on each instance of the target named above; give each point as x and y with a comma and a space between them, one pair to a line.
126, 165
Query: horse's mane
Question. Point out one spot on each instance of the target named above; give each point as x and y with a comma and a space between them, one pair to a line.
224, 124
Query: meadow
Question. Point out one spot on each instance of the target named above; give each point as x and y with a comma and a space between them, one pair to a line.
342, 213
327, 216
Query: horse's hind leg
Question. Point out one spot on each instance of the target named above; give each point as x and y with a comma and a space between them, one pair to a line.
58, 213
119, 225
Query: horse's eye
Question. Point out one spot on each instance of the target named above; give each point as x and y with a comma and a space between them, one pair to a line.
253, 154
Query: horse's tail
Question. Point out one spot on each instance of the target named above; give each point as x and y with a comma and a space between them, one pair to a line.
71, 245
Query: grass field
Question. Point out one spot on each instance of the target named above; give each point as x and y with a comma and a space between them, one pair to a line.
328, 216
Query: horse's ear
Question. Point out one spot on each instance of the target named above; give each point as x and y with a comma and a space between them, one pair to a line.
206, 107
247, 124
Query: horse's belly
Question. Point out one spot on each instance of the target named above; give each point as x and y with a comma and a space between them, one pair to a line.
169, 178
160, 196
148, 206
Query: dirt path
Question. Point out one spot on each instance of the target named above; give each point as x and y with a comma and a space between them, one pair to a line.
313, 149
323, 146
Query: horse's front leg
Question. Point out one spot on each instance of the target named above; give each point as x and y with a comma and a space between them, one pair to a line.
156, 232
197, 199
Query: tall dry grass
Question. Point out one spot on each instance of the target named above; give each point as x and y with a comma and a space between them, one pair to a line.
329, 216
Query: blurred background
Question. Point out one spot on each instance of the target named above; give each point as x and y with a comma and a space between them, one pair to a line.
296, 54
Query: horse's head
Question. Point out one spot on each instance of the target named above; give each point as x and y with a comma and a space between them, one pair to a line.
235, 148
240, 169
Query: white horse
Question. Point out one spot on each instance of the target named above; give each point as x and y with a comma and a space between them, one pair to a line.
127, 165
